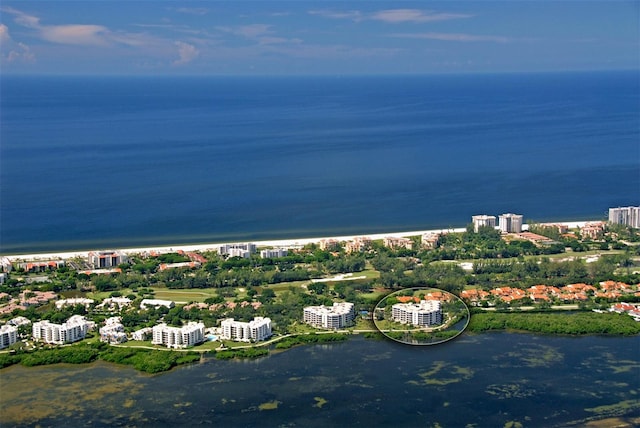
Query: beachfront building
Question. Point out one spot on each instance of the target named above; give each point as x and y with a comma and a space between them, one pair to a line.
74, 329
510, 223
256, 330
113, 331
593, 230
396, 243
8, 335
178, 337
237, 250
274, 253
41, 266
422, 314
74, 301
155, 303
106, 259
340, 315
329, 244
190, 265
5, 264
430, 240
357, 245
629, 216
483, 221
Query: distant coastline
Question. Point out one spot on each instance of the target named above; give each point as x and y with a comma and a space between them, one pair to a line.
213, 246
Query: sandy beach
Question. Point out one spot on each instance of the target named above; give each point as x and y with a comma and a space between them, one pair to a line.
283, 243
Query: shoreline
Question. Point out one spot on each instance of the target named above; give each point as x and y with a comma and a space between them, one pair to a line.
284, 243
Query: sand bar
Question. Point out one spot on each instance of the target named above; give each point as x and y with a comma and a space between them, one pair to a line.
283, 243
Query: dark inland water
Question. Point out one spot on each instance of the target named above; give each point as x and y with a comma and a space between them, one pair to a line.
488, 380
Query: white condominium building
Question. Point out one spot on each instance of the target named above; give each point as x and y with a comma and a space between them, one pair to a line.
74, 301
237, 250
256, 330
113, 331
274, 253
105, 259
8, 335
629, 216
510, 223
425, 313
339, 315
155, 303
178, 337
74, 329
483, 221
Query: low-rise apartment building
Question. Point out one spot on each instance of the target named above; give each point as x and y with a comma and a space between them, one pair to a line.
155, 303
73, 330
8, 335
340, 315
396, 243
274, 253
422, 314
113, 331
178, 337
256, 330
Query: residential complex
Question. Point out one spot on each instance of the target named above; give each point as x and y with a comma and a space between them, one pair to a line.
106, 259
629, 216
510, 223
74, 329
256, 330
8, 335
237, 250
430, 240
274, 253
339, 315
156, 303
594, 230
357, 245
178, 337
74, 301
422, 314
113, 331
396, 243
483, 221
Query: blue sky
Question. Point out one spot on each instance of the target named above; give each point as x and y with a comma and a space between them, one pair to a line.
319, 37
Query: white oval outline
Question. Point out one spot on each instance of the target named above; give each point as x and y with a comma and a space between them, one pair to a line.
421, 288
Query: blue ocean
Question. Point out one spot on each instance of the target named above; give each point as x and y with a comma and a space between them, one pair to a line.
96, 162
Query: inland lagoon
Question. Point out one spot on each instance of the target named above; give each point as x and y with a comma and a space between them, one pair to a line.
477, 380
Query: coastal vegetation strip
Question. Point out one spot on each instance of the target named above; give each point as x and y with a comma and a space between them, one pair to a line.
569, 323
145, 360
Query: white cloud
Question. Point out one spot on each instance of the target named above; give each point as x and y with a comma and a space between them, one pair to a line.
249, 31
86, 35
186, 53
4, 34
22, 18
22, 54
354, 15
454, 37
391, 15
192, 10
414, 15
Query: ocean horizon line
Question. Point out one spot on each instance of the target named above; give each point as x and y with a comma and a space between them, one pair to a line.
283, 243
